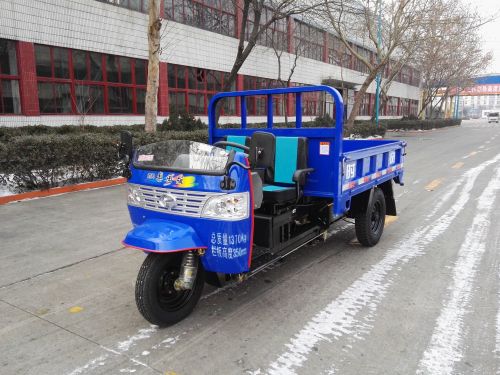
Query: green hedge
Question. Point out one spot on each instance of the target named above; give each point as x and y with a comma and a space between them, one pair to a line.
410, 124
48, 158
41, 157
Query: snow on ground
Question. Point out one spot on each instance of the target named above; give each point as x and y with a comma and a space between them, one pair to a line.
4, 191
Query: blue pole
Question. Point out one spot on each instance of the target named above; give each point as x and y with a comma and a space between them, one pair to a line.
379, 75
457, 102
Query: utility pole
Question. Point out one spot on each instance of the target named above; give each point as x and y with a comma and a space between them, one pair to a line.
379, 75
457, 103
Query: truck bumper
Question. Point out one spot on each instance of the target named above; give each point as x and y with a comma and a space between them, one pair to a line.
163, 236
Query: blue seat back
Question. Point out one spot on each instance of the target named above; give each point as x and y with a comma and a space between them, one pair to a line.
239, 139
285, 160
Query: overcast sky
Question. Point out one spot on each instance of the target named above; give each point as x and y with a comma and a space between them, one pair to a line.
490, 32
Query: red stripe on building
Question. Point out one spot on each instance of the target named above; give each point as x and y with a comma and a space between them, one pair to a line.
27, 79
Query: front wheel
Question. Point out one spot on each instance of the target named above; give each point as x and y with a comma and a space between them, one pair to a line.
155, 295
370, 224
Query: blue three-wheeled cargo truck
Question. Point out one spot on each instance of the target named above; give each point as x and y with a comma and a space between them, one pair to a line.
219, 211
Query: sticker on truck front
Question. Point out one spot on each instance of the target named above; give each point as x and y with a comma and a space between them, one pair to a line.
324, 148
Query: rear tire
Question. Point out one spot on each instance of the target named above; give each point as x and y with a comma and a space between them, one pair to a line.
370, 224
157, 300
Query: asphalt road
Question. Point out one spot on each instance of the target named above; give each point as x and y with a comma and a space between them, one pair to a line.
425, 300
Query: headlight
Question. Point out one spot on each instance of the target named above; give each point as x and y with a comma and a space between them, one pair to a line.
134, 196
227, 207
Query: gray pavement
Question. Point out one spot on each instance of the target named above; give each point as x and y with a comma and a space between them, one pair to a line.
425, 300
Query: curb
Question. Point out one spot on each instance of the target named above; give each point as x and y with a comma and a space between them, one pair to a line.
61, 190
420, 131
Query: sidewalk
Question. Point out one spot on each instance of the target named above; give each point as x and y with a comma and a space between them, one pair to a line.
43, 235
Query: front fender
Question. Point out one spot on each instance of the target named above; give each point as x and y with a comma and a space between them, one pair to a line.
163, 236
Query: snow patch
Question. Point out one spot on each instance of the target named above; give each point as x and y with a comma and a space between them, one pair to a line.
144, 333
497, 342
446, 344
339, 317
96, 362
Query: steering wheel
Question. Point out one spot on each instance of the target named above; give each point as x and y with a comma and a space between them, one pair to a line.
232, 144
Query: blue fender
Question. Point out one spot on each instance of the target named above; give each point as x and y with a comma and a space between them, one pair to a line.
163, 236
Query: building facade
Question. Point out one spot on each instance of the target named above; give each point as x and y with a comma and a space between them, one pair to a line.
479, 100
84, 62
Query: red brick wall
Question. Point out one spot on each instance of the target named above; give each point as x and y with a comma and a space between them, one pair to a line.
163, 109
27, 79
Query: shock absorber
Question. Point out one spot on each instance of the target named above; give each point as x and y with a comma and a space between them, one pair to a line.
187, 275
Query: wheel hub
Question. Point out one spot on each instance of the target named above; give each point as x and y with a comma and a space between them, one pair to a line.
376, 217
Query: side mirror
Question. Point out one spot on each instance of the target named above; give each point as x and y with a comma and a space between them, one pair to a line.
125, 149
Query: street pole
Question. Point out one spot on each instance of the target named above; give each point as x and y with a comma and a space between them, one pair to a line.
379, 75
457, 102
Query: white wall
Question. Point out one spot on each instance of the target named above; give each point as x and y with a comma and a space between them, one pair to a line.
95, 26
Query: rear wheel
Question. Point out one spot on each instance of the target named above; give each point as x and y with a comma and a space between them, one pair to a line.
155, 295
370, 224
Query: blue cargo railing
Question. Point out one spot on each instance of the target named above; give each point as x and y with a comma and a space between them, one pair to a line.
325, 180
336, 132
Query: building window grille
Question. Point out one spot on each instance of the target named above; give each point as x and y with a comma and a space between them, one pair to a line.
84, 82
10, 101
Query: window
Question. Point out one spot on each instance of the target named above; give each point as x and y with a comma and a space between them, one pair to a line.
141, 71
338, 53
89, 99
357, 63
54, 97
83, 82
308, 41
275, 36
120, 99
138, 5
54, 84
10, 102
141, 100
405, 107
257, 105
43, 61
365, 108
190, 89
214, 15
392, 106
414, 107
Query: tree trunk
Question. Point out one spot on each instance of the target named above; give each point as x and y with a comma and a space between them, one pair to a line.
359, 99
154, 27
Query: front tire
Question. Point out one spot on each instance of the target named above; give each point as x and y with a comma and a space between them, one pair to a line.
156, 298
370, 224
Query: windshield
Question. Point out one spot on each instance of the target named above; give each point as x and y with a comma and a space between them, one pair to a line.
181, 155
493, 114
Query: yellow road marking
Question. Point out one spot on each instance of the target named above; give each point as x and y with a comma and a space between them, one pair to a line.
434, 184
75, 309
457, 165
390, 219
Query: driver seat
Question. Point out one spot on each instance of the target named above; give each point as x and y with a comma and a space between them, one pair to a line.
282, 164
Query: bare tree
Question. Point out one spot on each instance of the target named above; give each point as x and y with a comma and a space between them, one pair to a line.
395, 67
85, 101
450, 53
350, 19
154, 28
257, 17
278, 48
